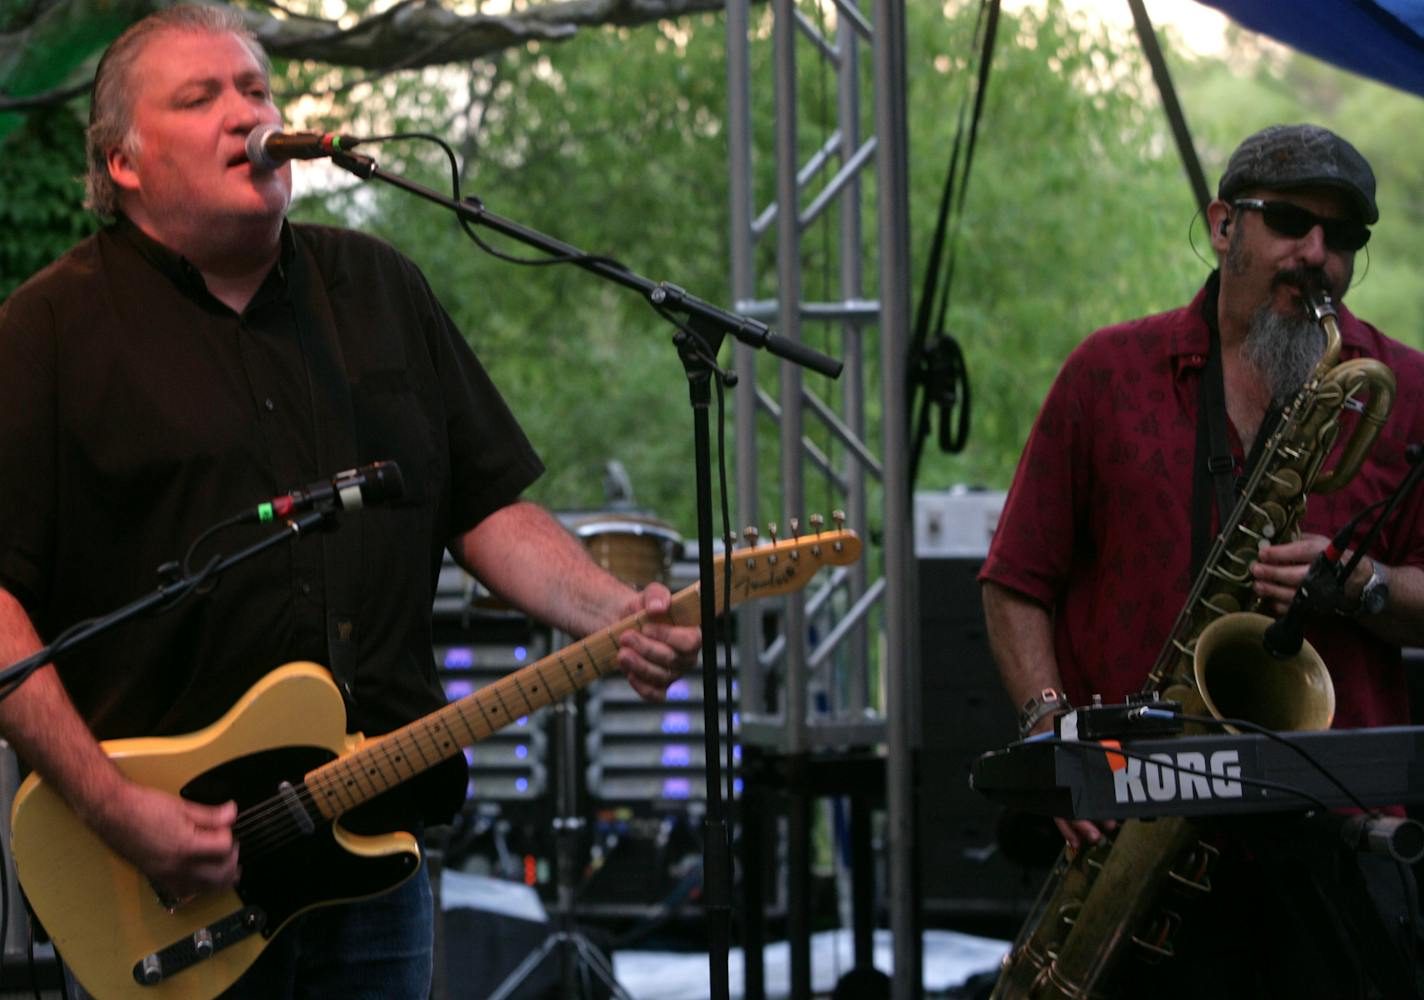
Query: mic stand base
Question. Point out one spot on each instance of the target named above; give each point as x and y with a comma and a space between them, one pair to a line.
576, 953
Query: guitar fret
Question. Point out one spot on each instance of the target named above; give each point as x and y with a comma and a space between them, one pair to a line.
459, 713
499, 696
513, 680
391, 761
443, 746
401, 757
559, 659
359, 774
373, 774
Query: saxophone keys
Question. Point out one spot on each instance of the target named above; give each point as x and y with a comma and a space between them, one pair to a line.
1156, 941
1192, 872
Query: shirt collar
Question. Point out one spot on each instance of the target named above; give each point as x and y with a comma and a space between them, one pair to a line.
184, 273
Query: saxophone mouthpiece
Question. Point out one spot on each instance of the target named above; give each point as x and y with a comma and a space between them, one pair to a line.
1317, 296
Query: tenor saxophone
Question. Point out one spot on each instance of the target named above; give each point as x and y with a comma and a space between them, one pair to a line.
1123, 896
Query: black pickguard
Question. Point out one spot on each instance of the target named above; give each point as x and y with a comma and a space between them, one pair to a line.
309, 870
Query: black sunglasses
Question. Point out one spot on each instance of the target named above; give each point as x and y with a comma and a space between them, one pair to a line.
1341, 235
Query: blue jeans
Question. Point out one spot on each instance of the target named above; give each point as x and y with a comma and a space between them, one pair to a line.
372, 949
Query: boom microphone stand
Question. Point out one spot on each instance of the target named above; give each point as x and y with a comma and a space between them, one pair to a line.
701, 328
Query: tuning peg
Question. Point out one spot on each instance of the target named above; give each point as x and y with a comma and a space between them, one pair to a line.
839, 517
750, 534
795, 527
771, 530
817, 522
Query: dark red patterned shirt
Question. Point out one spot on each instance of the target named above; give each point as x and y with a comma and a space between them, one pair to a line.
1097, 525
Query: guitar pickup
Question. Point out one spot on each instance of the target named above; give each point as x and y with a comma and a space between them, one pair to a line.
203, 943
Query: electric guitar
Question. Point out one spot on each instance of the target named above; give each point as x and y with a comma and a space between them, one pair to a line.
283, 753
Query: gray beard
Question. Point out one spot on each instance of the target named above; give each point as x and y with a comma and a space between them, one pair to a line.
1284, 349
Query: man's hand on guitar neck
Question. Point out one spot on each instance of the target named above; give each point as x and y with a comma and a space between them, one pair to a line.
660, 652
521, 553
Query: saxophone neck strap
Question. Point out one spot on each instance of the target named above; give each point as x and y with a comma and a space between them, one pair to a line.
1214, 468
1214, 477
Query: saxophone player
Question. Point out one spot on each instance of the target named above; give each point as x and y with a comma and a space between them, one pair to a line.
1116, 499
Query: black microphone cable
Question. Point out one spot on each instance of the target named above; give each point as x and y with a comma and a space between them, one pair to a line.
475, 203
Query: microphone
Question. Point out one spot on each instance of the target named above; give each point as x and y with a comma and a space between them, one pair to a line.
268, 147
350, 490
1319, 589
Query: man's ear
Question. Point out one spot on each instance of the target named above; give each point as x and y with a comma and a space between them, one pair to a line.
121, 169
1218, 224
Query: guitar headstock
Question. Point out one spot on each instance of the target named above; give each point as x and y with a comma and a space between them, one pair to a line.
786, 565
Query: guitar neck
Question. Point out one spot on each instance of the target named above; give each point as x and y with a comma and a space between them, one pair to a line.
387, 761
380, 764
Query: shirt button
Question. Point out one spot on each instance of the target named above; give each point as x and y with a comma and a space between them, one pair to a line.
269, 404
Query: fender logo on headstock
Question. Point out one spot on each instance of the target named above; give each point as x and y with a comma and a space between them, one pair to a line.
748, 587
787, 565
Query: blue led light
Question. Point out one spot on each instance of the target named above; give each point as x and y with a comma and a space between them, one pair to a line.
521, 654
522, 721
521, 751
522, 784
677, 755
736, 786
469, 755
677, 691
676, 722
459, 658
457, 689
676, 788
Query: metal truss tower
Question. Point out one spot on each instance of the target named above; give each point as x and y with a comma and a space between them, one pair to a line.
818, 688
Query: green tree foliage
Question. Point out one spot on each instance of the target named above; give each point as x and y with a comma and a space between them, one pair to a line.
41, 210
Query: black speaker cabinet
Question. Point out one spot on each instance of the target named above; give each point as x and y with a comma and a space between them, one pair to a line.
964, 712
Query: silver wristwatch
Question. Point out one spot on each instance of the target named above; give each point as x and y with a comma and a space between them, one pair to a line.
1375, 595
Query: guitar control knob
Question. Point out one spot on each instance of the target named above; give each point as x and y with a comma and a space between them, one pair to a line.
151, 969
203, 942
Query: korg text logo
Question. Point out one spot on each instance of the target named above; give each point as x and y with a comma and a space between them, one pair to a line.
1186, 775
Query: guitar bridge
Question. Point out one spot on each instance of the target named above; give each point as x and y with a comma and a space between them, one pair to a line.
203, 943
